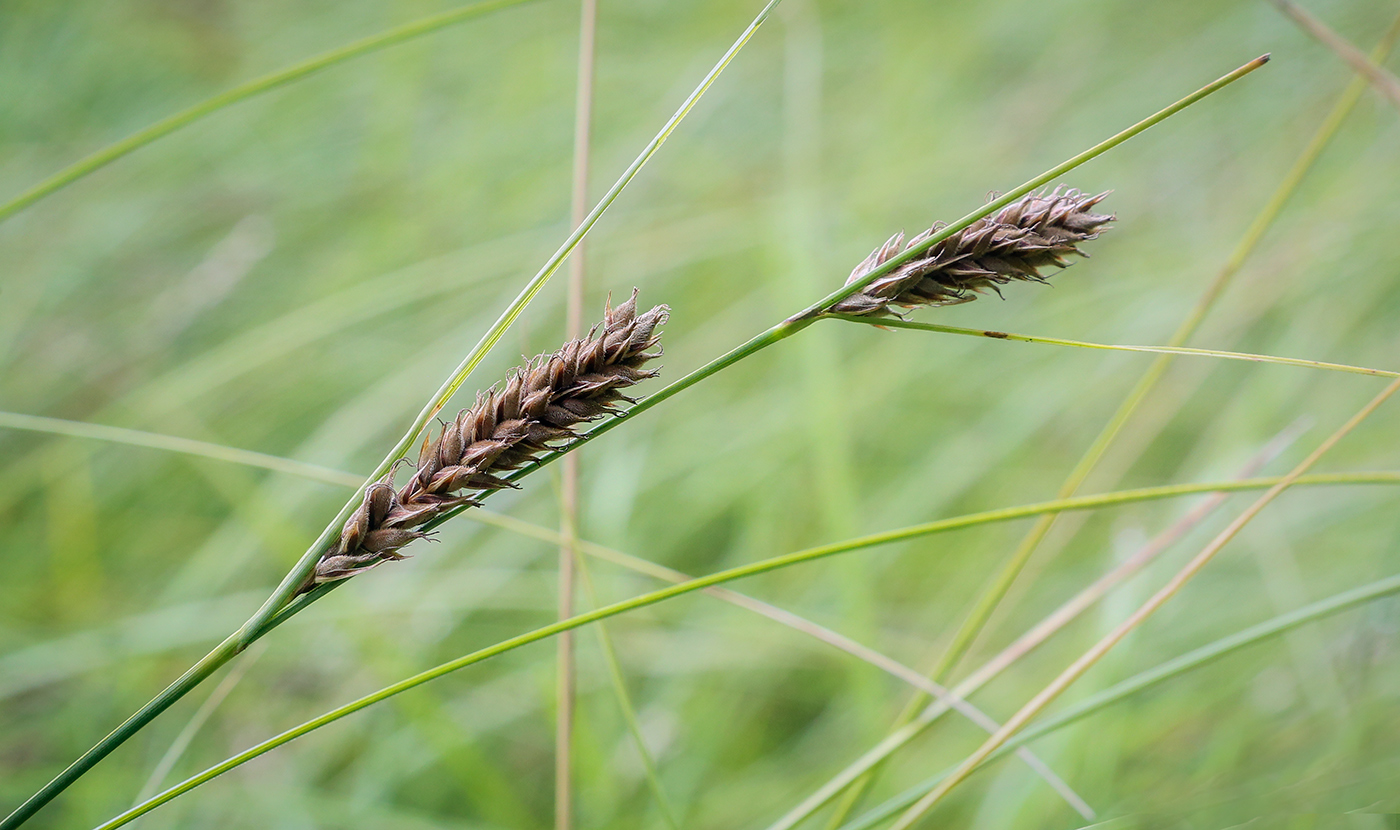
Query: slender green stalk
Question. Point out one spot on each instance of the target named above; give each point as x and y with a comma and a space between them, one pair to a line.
243, 92
1142, 681
1055, 341
764, 566
274, 611
624, 702
1077, 669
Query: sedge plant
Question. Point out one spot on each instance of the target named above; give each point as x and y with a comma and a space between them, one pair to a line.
512, 430
370, 531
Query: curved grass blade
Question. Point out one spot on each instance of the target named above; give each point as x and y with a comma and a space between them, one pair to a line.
243, 92
753, 569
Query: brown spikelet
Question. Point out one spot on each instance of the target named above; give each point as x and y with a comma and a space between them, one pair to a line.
534, 411
1038, 231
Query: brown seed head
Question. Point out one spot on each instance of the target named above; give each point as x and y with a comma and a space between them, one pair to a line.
534, 411
1014, 243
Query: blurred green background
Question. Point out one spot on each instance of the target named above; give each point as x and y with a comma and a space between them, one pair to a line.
296, 274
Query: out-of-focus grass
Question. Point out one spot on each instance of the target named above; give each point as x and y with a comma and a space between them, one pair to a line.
438, 172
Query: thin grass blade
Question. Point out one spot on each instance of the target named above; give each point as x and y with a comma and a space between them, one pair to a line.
1172, 350
96, 161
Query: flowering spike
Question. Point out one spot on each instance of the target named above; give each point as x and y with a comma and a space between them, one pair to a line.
533, 412
1038, 231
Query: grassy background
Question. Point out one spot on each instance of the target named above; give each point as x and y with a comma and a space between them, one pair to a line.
296, 274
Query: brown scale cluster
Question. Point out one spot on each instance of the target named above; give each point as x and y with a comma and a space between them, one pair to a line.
533, 412
1036, 232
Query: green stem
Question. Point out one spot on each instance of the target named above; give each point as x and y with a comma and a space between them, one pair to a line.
787, 560
1152, 677
1055, 341
242, 92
